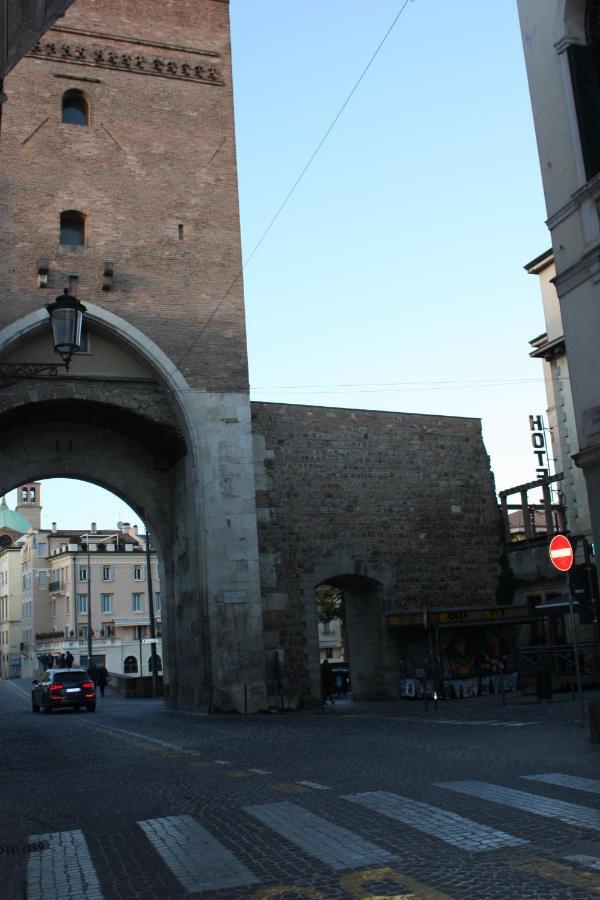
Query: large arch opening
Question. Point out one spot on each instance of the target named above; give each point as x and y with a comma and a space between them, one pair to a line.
89, 584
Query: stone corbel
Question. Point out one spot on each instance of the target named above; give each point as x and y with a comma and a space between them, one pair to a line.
43, 267
107, 276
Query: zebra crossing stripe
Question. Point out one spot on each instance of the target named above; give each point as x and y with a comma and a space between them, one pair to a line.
590, 785
331, 844
568, 813
590, 862
62, 868
448, 826
197, 860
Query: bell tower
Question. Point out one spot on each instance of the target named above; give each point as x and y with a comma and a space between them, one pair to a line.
119, 181
29, 503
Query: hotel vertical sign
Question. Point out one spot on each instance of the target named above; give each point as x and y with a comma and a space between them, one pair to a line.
540, 448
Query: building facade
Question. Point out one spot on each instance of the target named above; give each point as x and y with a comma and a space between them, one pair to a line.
561, 40
549, 348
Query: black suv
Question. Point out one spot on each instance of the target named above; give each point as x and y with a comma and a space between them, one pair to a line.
62, 688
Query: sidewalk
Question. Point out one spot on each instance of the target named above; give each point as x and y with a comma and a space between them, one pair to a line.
561, 710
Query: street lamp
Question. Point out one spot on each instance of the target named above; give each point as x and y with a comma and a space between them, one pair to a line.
66, 319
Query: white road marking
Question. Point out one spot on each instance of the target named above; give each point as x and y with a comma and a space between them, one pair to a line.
315, 785
337, 847
569, 813
589, 785
590, 862
222, 762
261, 771
448, 826
197, 860
63, 869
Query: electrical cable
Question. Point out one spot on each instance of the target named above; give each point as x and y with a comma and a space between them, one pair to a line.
294, 186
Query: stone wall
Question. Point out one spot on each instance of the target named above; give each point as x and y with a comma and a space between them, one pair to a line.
395, 507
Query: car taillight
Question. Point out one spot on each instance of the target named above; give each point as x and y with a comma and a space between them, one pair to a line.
88, 685
56, 687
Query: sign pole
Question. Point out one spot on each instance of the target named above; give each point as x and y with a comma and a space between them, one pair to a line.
562, 556
575, 649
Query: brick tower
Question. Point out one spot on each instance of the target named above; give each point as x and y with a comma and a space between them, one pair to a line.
119, 181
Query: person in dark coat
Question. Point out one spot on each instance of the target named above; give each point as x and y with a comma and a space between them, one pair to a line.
102, 679
93, 672
61, 661
326, 683
69, 659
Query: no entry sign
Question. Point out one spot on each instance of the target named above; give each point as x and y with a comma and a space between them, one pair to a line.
561, 553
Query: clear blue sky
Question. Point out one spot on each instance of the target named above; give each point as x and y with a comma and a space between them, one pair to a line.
399, 259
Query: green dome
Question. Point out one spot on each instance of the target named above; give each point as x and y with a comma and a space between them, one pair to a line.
12, 520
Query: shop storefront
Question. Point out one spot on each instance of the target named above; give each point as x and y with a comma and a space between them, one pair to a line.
460, 652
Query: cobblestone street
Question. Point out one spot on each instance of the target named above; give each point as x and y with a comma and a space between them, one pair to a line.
473, 800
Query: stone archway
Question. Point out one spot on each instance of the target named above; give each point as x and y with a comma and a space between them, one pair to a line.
126, 420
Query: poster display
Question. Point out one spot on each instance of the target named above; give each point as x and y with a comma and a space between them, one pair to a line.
474, 661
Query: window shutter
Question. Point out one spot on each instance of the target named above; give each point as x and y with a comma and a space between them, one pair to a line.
586, 90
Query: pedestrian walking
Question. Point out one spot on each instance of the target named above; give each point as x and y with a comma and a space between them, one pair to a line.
102, 676
69, 659
61, 661
326, 683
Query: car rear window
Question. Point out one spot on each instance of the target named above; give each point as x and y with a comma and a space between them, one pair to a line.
71, 677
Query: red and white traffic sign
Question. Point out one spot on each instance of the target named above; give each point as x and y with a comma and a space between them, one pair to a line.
561, 552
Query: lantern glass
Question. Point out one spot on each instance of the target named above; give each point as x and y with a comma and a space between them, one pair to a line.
66, 317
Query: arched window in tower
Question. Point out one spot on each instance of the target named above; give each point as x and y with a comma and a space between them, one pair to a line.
584, 63
75, 108
32, 495
72, 228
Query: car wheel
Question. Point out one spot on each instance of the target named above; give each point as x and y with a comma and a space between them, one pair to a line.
35, 706
91, 707
47, 708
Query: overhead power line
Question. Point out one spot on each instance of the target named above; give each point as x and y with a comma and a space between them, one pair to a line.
296, 183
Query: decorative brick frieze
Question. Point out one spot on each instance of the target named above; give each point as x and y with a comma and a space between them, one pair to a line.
103, 55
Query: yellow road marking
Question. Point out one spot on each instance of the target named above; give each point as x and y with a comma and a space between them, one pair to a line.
235, 773
356, 884
282, 891
291, 788
546, 868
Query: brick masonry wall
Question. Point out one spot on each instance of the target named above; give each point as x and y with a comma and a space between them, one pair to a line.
158, 153
406, 500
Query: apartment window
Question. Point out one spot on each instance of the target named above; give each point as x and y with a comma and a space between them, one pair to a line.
83, 573
137, 602
107, 573
83, 632
157, 601
72, 228
82, 603
106, 602
138, 573
41, 549
327, 629
75, 108
130, 665
42, 578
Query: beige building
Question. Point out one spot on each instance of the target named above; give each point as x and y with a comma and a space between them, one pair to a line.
105, 572
331, 642
10, 612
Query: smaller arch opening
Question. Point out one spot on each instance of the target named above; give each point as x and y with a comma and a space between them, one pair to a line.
75, 108
158, 664
72, 228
